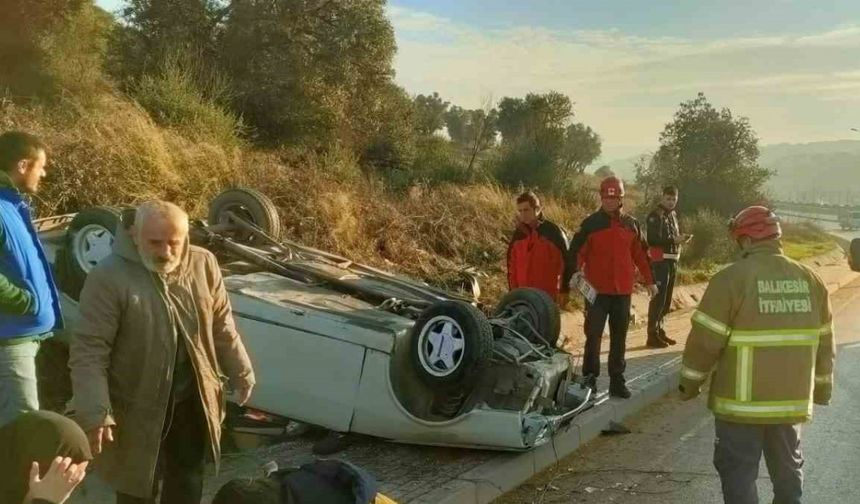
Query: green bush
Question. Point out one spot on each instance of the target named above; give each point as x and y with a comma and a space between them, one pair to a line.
711, 244
174, 97
581, 190
525, 163
437, 160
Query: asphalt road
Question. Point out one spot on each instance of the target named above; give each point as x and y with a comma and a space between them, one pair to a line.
667, 459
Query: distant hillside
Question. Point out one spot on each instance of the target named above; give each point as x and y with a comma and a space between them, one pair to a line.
829, 171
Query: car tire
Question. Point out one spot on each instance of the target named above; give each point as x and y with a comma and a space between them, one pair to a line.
451, 345
538, 308
252, 206
89, 239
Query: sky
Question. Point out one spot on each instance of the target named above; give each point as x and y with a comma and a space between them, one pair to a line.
791, 66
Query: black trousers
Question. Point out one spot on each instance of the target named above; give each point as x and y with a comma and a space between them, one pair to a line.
737, 453
617, 310
664, 274
182, 457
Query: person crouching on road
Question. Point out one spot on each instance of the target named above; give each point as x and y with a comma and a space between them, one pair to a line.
609, 247
538, 252
155, 331
664, 242
764, 334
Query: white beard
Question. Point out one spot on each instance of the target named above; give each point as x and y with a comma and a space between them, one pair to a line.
162, 268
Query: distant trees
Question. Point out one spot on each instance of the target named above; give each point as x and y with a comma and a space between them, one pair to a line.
315, 75
711, 155
430, 112
541, 146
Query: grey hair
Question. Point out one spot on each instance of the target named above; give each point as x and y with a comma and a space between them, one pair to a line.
161, 209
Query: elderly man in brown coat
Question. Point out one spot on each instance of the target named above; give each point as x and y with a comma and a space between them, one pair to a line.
150, 357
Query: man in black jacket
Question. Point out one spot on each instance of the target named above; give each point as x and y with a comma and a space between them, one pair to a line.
664, 242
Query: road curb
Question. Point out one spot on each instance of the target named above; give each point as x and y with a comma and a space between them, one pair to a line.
506, 472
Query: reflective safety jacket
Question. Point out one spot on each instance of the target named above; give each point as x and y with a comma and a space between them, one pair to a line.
764, 333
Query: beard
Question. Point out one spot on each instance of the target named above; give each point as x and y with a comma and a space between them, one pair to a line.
159, 265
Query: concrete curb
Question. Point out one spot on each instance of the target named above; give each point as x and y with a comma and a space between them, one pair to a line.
492, 479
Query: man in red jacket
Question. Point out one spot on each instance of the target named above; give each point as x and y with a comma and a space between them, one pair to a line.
538, 252
609, 247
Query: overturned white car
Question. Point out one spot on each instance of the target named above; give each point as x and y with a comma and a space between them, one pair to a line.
355, 349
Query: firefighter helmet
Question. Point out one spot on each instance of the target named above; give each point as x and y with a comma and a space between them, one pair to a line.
757, 222
612, 187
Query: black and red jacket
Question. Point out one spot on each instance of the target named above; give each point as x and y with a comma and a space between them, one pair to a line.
538, 257
662, 231
609, 248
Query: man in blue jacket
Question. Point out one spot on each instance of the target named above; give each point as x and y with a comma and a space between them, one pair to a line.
29, 304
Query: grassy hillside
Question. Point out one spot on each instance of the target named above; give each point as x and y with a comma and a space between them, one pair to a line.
112, 152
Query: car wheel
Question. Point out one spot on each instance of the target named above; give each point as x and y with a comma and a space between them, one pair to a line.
249, 205
854, 254
535, 309
89, 239
451, 344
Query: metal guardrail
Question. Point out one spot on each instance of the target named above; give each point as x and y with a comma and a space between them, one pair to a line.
807, 216
814, 208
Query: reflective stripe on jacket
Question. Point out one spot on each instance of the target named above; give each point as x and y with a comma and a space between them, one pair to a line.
764, 333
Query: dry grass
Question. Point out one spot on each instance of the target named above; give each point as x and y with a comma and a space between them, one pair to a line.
110, 152
427, 232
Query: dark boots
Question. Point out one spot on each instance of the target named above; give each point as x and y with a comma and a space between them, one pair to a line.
655, 341
618, 388
658, 339
666, 338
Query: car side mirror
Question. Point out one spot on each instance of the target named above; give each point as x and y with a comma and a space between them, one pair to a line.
854, 254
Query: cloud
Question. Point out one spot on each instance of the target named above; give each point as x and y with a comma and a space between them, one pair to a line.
628, 86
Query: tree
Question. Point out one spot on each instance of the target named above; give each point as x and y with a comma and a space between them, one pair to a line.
473, 130
311, 71
711, 156
541, 147
51, 46
429, 113
581, 147
533, 116
154, 30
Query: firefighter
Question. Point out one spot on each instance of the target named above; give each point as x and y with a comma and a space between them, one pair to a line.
664, 242
538, 252
608, 248
764, 334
